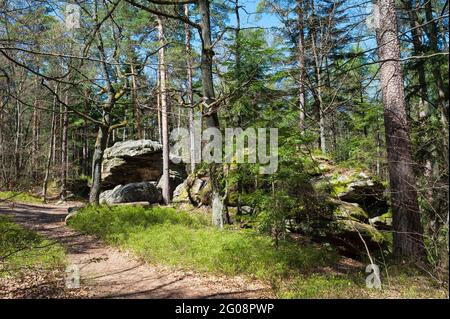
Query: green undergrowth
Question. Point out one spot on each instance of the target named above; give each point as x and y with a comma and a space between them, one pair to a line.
177, 238
395, 284
20, 197
22, 249
162, 235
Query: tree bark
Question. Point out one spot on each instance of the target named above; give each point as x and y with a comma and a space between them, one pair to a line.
137, 110
408, 232
97, 159
318, 72
50, 150
211, 119
432, 33
63, 171
189, 89
164, 119
301, 64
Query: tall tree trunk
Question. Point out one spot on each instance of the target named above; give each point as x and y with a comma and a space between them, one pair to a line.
35, 137
50, 150
63, 171
423, 109
187, 31
97, 159
418, 50
432, 33
164, 119
137, 110
158, 103
318, 71
85, 137
211, 119
301, 64
18, 142
408, 232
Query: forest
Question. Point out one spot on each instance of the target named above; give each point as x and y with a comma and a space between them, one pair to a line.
224, 149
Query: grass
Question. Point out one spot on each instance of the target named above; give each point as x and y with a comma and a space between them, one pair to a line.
401, 284
164, 235
21, 248
20, 197
170, 237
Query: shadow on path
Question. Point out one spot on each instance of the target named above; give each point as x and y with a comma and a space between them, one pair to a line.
110, 273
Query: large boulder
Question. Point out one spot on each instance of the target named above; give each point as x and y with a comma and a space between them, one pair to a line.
175, 180
365, 191
347, 226
351, 230
133, 192
356, 187
136, 161
351, 211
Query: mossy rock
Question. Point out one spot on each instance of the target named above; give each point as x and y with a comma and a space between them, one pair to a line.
367, 231
350, 211
191, 188
382, 222
355, 186
180, 194
205, 194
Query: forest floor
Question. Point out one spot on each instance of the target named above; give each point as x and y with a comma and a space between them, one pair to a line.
107, 272
113, 271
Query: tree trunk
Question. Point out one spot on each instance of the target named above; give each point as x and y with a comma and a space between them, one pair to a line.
137, 110
97, 159
211, 120
318, 72
50, 150
35, 138
189, 89
63, 171
18, 143
164, 119
85, 138
301, 65
432, 32
408, 232
158, 102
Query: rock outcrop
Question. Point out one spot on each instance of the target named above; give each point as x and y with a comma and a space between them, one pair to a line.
194, 190
353, 209
136, 161
133, 192
357, 201
354, 186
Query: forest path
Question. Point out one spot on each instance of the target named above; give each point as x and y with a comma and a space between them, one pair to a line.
110, 273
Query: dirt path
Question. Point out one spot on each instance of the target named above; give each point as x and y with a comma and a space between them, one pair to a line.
110, 273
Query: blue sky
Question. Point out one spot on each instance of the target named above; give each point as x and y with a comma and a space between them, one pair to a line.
252, 20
